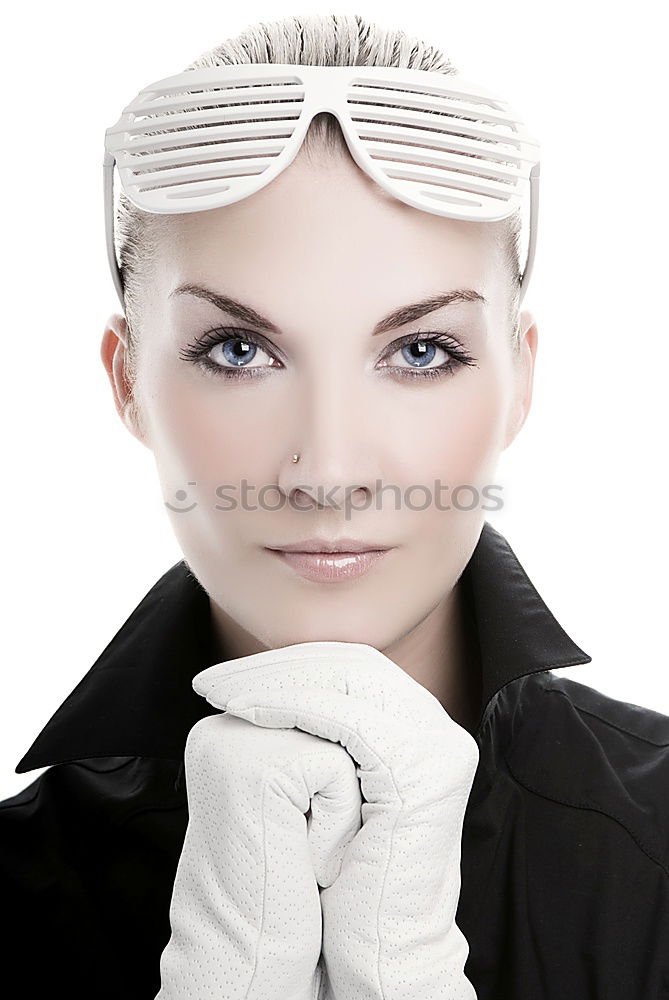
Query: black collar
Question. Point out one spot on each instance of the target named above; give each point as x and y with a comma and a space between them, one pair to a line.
137, 699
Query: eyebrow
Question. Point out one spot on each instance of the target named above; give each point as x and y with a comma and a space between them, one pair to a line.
398, 317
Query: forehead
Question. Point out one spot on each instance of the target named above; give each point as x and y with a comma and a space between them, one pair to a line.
324, 228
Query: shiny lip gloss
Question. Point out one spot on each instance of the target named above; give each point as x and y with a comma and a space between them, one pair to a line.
331, 567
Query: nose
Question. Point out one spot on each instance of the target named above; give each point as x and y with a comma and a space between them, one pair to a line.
338, 442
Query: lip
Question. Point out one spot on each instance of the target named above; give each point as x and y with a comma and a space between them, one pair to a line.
330, 567
321, 545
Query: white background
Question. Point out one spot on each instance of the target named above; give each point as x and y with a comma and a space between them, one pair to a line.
85, 530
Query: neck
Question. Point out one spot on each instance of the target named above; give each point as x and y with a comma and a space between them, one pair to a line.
441, 653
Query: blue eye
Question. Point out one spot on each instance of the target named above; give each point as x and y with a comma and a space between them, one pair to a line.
237, 347
237, 351
237, 357
426, 351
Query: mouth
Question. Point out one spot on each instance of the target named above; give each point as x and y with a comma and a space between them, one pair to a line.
322, 546
330, 566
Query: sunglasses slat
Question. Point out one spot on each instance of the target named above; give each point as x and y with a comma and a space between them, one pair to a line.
246, 148
221, 134
147, 126
220, 97
449, 178
185, 174
441, 126
475, 148
410, 154
427, 102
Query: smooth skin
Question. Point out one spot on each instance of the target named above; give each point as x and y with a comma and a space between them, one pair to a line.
324, 253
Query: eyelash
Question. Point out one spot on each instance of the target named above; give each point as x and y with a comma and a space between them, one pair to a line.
197, 352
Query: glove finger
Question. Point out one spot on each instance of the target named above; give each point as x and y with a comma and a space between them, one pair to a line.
336, 804
395, 768
245, 910
351, 668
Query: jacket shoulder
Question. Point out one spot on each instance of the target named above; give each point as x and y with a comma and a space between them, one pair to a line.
50, 789
49, 825
587, 750
88, 855
637, 721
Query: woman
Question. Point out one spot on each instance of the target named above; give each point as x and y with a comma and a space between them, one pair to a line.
564, 850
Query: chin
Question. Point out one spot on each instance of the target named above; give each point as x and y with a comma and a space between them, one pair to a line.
325, 635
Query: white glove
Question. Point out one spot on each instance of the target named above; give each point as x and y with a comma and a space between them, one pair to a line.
245, 914
390, 887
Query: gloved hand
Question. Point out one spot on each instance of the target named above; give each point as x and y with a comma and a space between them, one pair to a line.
245, 914
390, 886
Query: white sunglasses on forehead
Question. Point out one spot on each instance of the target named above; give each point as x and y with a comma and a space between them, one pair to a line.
210, 137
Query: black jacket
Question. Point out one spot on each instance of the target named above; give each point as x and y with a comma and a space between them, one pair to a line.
565, 849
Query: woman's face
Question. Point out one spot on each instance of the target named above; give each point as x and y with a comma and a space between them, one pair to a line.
325, 255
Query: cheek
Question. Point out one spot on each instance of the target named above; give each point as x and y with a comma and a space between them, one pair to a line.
472, 443
455, 435
202, 429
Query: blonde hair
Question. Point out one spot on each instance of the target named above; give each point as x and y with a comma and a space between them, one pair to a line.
313, 39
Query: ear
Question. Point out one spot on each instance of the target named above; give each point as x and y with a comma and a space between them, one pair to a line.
523, 363
114, 354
